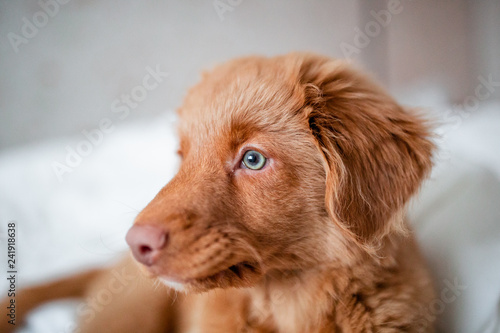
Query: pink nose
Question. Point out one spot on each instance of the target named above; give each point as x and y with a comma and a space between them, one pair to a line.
146, 242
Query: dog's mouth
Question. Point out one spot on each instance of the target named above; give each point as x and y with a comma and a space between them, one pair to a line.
242, 274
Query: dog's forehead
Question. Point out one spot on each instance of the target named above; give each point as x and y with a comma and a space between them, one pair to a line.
247, 94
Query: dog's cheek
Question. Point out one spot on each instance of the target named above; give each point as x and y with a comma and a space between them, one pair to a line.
270, 204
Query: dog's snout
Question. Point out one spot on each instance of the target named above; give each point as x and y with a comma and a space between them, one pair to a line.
146, 243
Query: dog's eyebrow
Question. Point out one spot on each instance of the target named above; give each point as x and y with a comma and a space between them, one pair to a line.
240, 132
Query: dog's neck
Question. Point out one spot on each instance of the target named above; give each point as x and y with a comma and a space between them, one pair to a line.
305, 300
295, 301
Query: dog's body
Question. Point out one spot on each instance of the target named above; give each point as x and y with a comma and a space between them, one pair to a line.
313, 239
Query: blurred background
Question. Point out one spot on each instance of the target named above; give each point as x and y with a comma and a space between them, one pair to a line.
63, 65
88, 91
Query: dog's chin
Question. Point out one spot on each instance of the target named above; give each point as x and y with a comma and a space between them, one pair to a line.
241, 275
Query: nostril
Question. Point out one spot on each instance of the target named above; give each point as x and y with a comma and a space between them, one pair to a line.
144, 249
146, 243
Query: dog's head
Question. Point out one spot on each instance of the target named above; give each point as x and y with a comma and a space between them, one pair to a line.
287, 164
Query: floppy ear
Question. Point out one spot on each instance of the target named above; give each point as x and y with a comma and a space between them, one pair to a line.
376, 154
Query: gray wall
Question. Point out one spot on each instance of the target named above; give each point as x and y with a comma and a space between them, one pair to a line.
67, 74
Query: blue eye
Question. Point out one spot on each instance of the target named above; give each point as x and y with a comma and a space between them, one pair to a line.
254, 160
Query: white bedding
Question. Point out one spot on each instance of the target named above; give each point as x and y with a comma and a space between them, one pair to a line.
80, 222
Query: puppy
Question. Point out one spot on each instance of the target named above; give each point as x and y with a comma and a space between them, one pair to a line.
287, 213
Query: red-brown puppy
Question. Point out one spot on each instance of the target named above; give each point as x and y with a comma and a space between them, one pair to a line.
294, 178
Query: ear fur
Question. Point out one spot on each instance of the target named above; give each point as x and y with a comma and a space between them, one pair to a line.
376, 153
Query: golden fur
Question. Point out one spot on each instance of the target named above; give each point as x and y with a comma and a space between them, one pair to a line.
316, 241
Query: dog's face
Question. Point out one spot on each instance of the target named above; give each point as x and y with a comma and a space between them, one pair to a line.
282, 169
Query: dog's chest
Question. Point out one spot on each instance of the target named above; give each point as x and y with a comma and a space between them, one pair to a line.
292, 306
